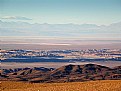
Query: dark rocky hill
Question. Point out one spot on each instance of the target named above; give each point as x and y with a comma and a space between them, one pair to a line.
68, 73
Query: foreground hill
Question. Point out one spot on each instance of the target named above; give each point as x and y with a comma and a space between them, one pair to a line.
104, 85
68, 73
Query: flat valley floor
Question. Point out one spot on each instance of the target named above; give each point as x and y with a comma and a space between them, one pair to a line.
9, 65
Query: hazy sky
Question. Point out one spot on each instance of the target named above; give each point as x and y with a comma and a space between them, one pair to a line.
61, 11
72, 19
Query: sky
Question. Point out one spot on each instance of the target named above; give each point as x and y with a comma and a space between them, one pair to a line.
80, 19
100, 12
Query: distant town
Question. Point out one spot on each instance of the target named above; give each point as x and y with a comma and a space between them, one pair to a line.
21, 55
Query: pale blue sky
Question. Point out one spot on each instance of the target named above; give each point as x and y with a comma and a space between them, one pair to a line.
66, 18
61, 11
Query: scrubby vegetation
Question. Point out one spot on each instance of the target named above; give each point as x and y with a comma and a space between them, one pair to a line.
104, 85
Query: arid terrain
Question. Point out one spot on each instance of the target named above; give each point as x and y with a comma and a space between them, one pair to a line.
9, 65
59, 47
68, 73
107, 85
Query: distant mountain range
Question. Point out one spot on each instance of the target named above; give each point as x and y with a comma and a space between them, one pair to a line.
68, 73
60, 30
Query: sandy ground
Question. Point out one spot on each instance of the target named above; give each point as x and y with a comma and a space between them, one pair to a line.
105, 85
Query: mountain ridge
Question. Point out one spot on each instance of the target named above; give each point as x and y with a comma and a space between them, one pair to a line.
67, 73
58, 30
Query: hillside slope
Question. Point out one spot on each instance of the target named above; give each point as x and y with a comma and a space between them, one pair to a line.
68, 73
